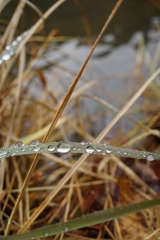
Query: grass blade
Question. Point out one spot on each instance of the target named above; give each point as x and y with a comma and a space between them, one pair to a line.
84, 221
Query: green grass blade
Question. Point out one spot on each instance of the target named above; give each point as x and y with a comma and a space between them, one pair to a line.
75, 147
84, 221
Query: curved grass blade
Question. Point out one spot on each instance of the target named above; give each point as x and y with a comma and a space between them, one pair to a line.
84, 221
74, 147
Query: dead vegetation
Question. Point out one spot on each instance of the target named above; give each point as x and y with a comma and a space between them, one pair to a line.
29, 107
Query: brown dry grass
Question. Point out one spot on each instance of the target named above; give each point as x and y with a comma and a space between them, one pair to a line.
97, 183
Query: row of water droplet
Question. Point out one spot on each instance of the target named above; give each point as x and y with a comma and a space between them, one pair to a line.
46, 234
65, 147
10, 50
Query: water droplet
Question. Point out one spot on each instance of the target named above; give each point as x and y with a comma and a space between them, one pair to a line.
23, 149
89, 149
34, 143
79, 149
98, 149
63, 147
125, 153
64, 229
36, 149
32, 238
83, 143
3, 153
150, 157
6, 56
118, 151
1, 61
108, 151
25, 33
74, 148
14, 43
18, 144
45, 234
19, 38
8, 47
51, 148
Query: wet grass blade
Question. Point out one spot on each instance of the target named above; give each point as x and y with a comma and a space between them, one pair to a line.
84, 221
75, 147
